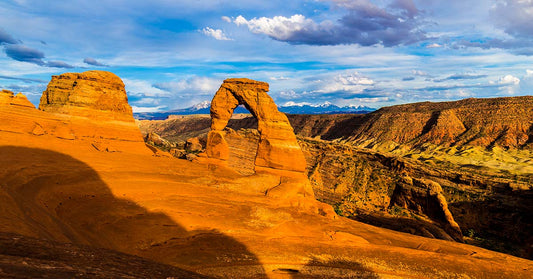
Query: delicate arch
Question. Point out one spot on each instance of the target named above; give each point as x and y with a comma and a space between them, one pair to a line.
277, 149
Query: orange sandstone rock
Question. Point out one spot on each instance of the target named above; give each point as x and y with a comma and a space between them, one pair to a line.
278, 148
8, 98
83, 94
278, 152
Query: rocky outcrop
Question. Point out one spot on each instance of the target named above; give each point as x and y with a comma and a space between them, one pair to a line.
277, 147
94, 94
156, 140
193, 145
426, 197
8, 98
88, 108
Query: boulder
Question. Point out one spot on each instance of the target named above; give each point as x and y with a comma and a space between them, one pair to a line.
156, 140
193, 145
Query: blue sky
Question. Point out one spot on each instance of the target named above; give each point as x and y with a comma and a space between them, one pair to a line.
174, 54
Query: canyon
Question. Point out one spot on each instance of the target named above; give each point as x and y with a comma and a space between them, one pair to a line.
78, 184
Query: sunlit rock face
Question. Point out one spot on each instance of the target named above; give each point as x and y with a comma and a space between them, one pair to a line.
94, 94
89, 108
277, 146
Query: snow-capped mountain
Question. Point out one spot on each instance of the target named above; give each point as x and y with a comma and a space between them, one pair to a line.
289, 107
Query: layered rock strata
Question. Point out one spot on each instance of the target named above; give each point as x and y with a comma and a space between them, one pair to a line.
92, 94
90, 107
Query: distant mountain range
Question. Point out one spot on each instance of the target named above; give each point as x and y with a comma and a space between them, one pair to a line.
204, 107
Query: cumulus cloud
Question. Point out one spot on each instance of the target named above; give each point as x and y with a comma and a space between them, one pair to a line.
364, 24
215, 33
192, 86
344, 86
508, 80
93, 62
226, 19
296, 104
191, 91
419, 73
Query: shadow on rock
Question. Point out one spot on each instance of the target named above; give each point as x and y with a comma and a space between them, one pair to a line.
54, 197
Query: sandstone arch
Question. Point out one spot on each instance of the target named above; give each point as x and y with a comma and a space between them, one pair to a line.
277, 149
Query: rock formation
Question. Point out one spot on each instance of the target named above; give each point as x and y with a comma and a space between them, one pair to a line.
278, 155
426, 197
83, 94
8, 98
504, 122
90, 108
277, 149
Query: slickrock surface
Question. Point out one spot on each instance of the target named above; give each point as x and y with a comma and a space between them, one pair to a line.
488, 190
8, 98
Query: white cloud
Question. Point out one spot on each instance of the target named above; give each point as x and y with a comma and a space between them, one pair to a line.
279, 78
509, 80
294, 104
195, 86
278, 27
419, 73
352, 82
434, 45
226, 19
529, 73
147, 109
143, 87
215, 33
288, 94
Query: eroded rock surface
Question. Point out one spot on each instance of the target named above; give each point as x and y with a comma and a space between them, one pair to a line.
88, 108
426, 197
277, 147
82, 94
9, 98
